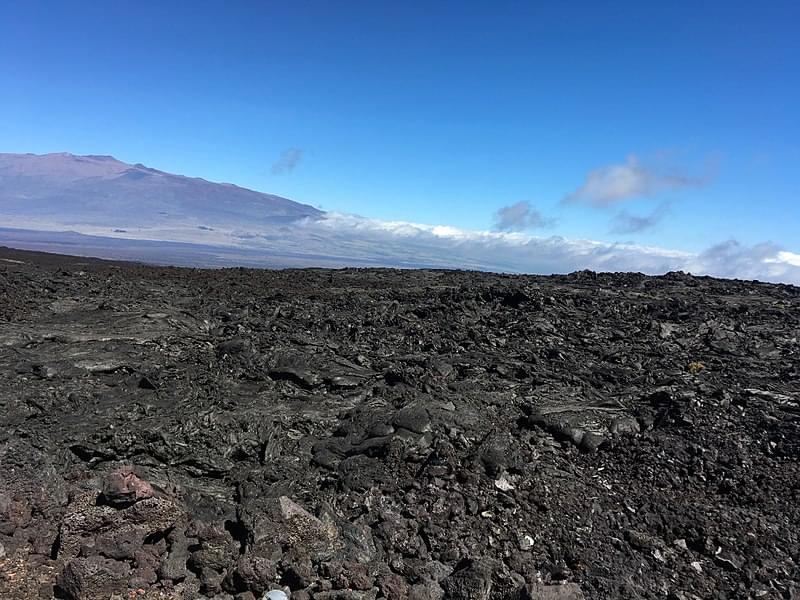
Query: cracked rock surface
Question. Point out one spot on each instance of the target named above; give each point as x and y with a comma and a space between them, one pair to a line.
364, 433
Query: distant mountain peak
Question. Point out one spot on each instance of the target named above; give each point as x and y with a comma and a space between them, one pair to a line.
99, 190
101, 157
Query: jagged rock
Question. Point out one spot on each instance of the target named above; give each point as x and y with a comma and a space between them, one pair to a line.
473, 581
113, 532
123, 487
393, 587
254, 573
173, 567
414, 418
277, 524
94, 578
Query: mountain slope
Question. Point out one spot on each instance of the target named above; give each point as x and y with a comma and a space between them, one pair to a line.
65, 189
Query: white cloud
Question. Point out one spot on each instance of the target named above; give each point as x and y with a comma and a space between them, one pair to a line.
766, 261
394, 243
790, 258
612, 184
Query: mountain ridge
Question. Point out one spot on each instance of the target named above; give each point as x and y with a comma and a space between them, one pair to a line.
101, 190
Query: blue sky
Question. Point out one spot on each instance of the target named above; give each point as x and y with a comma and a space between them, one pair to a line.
682, 115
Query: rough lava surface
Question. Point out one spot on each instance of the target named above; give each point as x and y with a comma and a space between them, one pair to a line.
363, 434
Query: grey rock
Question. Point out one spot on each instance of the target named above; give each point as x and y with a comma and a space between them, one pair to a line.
566, 591
276, 523
472, 582
94, 578
414, 418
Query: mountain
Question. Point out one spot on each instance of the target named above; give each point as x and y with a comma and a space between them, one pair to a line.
67, 190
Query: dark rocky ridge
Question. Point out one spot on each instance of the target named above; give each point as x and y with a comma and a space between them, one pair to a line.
176, 433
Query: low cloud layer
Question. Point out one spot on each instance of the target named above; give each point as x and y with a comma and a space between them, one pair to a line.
339, 240
398, 243
625, 222
766, 261
613, 184
290, 158
519, 217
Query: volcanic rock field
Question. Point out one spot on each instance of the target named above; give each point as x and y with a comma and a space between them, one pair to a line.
369, 433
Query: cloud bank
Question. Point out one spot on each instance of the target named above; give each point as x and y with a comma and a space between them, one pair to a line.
290, 158
339, 240
519, 217
399, 243
613, 184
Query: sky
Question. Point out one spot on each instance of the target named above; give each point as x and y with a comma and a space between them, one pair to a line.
672, 124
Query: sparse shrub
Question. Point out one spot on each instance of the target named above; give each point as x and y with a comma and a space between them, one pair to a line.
695, 367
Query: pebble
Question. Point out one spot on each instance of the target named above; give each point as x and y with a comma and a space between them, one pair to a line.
503, 484
681, 543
